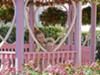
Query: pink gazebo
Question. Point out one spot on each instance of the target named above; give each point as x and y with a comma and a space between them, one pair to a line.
74, 51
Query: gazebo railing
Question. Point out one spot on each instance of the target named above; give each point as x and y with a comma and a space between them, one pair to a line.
43, 59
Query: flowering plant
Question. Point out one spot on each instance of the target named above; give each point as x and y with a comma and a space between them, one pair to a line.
31, 68
56, 70
6, 68
68, 69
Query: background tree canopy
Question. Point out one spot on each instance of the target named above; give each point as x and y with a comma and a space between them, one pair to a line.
86, 17
49, 16
6, 10
52, 16
98, 14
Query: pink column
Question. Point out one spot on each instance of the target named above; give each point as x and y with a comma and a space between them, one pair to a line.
93, 32
19, 34
69, 22
31, 22
78, 33
70, 37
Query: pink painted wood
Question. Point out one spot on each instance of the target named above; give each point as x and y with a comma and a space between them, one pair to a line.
70, 17
42, 59
19, 34
31, 23
93, 32
85, 55
78, 32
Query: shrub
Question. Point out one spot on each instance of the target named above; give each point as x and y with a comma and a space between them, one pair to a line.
53, 31
12, 37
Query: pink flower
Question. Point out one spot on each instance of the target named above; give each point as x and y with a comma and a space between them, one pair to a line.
57, 69
93, 64
75, 73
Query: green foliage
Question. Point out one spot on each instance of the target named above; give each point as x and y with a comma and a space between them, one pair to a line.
98, 14
53, 31
87, 15
26, 36
66, 69
12, 37
56, 16
6, 14
52, 16
98, 45
2, 13
9, 14
3, 32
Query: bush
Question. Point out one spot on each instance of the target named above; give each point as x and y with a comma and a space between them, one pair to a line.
3, 32
6, 14
53, 31
98, 45
63, 69
12, 37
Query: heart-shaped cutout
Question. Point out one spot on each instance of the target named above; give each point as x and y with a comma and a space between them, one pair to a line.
63, 39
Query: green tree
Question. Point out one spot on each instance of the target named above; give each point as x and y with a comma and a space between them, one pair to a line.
98, 14
52, 16
87, 15
6, 10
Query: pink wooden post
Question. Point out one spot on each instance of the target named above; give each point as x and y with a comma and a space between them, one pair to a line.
78, 32
69, 22
19, 34
93, 32
31, 22
70, 16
